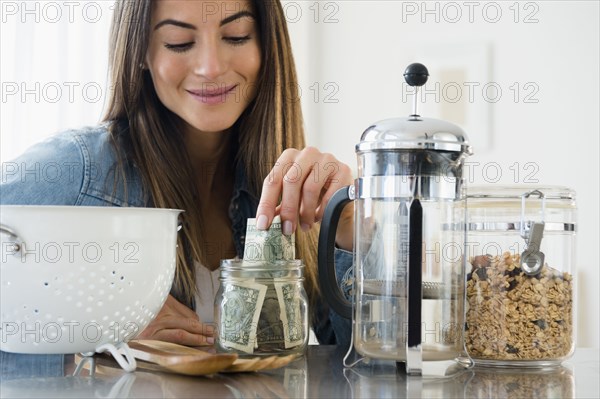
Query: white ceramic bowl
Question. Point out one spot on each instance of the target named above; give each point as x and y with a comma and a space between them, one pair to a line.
83, 279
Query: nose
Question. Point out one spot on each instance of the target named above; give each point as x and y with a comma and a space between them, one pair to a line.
211, 60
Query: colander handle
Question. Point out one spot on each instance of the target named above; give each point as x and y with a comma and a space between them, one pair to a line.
122, 355
17, 241
83, 363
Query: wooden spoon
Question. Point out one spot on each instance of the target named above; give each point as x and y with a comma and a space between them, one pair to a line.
243, 365
171, 347
257, 363
178, 359
280, 361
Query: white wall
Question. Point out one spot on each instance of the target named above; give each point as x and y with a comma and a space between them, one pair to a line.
351, 56
53, 69
549, 132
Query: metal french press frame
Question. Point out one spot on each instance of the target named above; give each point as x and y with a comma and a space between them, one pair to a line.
423, 137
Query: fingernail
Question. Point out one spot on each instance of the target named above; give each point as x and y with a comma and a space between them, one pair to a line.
210, 340
305, 227
287, 228
261, 222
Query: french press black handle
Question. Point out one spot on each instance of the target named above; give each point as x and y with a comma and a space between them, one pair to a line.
327, 276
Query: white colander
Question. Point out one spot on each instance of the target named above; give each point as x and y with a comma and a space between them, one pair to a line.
83, 279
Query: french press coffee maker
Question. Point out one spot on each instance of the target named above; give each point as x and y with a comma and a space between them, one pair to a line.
409, 270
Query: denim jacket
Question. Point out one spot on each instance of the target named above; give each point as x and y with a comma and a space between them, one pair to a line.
78, 167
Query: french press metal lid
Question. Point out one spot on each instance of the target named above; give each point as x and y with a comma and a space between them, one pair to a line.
428, 151
414, 131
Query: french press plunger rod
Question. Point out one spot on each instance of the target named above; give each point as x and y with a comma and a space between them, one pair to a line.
416, 75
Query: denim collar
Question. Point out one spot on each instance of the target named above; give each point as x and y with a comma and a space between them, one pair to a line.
243, 205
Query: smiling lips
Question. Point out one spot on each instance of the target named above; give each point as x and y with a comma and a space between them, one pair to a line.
213, 94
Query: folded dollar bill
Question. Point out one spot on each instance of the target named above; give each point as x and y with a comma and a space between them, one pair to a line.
290, 314
268, 245
242, 304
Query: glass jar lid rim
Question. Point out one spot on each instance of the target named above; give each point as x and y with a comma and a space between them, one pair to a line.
508, 226
277, 265
508, 192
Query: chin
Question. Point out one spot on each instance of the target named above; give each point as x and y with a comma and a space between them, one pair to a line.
213, 121
212, 128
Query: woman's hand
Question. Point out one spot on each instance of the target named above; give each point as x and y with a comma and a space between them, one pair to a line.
305, 181
178, 324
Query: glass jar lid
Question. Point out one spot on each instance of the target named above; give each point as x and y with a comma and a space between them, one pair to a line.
507, 208
492, 192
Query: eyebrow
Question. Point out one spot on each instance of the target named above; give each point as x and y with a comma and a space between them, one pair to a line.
237, 15
174, 22
186, 25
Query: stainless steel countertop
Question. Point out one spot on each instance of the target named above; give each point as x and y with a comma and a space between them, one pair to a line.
320, 374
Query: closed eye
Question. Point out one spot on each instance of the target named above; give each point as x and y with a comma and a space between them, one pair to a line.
180, 47
237, 40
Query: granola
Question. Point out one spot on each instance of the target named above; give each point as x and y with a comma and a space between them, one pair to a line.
513, 316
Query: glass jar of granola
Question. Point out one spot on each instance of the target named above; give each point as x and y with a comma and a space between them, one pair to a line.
520, 287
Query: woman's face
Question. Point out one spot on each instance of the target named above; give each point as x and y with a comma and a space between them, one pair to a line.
204, 59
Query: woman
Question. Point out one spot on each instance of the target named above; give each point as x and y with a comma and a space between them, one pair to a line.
203, 116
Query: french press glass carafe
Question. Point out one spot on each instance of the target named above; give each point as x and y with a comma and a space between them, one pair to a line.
409, 271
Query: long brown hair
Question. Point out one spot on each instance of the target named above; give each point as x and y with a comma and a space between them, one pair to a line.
149, 136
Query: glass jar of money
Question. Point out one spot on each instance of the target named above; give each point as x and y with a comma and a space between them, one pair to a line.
261, 308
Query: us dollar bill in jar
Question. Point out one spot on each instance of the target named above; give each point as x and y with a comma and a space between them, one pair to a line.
261, 307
